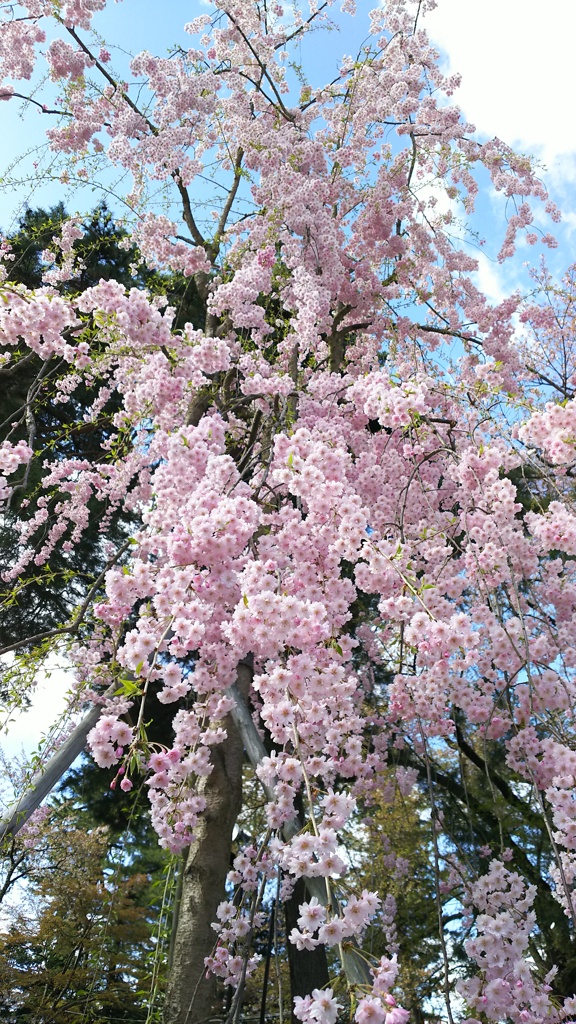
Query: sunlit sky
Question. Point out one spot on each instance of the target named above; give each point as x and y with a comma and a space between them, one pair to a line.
516, 61
515, 57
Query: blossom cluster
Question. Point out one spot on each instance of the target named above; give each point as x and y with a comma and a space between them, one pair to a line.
12, 456
506, 983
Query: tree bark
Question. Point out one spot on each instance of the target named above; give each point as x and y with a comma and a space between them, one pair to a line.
308, 967
354, 962
191, 996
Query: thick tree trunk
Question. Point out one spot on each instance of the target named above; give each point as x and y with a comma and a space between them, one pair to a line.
191, 996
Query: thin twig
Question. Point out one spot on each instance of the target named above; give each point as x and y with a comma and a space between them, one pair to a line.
75, 624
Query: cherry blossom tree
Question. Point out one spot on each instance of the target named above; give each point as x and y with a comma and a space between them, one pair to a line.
355, 529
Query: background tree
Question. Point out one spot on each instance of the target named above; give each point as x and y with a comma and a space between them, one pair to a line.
81, 947
33, 406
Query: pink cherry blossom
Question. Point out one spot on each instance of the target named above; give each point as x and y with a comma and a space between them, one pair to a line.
352, 481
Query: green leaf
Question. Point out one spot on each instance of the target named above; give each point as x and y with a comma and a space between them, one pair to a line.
128, 688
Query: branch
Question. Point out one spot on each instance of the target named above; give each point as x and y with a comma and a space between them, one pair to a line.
484, 816
187, 212
75, 624
547, 380
109, 78
336, 340
231, 197
44, 781
251, 441
31, 424
301, 28
187, 209
9, 371
263, 69
480, 763
47, 369
452, 333
43, 107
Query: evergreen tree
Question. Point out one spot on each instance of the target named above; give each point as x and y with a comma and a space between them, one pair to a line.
34, 404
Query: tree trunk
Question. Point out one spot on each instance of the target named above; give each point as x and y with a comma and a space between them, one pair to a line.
308, 967
48, 777
191, 997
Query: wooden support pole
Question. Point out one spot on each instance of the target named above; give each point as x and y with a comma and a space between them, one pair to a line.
45, 780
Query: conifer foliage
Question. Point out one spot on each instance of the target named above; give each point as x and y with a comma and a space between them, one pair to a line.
103, 252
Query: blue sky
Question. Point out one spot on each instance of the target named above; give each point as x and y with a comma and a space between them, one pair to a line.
516, 61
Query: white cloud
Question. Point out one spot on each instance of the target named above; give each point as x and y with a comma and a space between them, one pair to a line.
517, 65
489, 278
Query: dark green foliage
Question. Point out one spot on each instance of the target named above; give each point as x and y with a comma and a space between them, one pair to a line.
57, 428
482, 804
103, 258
